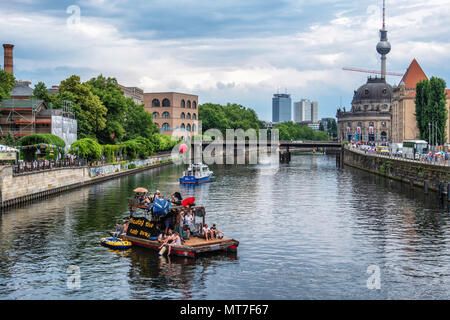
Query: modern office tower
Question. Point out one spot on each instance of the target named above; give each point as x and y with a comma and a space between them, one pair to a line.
305, 110
281, 107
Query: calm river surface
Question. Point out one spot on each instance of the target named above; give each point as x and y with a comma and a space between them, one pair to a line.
306, 231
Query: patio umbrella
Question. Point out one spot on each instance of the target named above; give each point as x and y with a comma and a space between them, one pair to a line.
140, 190
188, 201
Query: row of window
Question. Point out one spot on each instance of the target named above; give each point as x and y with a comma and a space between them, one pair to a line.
166, 103
166, 115
166, 127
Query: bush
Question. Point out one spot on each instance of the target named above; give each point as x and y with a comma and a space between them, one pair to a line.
132, 166
43, 139
88, 149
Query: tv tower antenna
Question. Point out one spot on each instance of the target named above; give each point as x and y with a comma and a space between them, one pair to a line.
383, 47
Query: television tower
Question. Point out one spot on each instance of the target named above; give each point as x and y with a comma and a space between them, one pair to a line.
383, 47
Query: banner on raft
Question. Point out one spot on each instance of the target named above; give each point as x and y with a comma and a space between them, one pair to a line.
142, 228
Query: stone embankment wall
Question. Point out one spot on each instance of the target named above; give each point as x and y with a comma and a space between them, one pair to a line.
24, 187
412, 172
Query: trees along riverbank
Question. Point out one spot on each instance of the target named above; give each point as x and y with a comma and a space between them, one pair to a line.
111, 127
431, 110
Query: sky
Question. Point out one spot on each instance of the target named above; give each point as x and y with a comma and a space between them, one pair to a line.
229, 51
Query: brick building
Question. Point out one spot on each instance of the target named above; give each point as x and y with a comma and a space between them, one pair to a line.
172, 111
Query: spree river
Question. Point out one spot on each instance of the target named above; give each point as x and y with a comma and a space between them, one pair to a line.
307, 230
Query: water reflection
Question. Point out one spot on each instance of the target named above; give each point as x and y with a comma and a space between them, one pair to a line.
306, 230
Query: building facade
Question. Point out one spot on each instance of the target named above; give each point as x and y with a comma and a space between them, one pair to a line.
369, 119
404, 124
173, 111
135, 93
281, 107
305, 110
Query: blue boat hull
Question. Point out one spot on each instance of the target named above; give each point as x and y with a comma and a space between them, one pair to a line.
193, 180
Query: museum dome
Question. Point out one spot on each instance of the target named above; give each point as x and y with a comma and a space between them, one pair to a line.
374, 91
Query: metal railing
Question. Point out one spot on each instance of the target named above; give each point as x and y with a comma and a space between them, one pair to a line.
436, 159
41, 165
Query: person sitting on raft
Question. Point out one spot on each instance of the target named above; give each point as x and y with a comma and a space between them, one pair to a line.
119, 231
176, 241
207, 232
216, 233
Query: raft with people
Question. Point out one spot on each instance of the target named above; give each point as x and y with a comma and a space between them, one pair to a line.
173, 226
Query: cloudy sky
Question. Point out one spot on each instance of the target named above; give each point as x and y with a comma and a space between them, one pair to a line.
238, 51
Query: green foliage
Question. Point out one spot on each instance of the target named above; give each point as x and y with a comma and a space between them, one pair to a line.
87, 107
132, 166
110, 151
321, 127
88, 149
47, 138
231, 116
40, 92
9, 140
162, 142
6, 84
332, 128
294, 131
431, 108
138, 122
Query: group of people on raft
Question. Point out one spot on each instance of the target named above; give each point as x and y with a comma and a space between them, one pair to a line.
182, 227
172, 239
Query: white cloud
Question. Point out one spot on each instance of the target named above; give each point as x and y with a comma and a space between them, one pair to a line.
308, 63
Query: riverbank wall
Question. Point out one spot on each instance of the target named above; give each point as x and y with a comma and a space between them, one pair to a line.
415, 173
21, 188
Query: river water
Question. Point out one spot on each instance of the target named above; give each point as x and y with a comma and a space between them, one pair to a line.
307, 230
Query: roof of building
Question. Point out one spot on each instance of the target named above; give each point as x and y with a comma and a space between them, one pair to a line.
22, 104
413, 74
21, 89
375, 90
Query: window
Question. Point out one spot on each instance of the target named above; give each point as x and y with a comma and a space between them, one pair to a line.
155, 115
165, 127
166, 103
183, 103
182, 126
383, 123
366, 91
155, 103
194, 106
189, 104
193, 128
166, 115
194, 117
188, 116
182, 116
188, 128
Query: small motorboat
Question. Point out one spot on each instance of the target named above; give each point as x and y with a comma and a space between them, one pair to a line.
117, 244
196, 173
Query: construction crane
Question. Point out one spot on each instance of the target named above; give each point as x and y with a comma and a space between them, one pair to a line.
373, 71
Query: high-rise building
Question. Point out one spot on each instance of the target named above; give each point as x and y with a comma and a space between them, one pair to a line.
281, 107
306, 111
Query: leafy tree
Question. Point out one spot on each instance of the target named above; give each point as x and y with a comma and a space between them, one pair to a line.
9, 140
231, 116
431, 108
138, 122
116, 103
294, 131
7, 82
88, 149
87, 107
321, 127
41, 92
332, 128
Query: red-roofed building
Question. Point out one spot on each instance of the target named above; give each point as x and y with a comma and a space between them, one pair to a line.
404, 124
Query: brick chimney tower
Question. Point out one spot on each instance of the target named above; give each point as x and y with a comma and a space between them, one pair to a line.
8, 58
